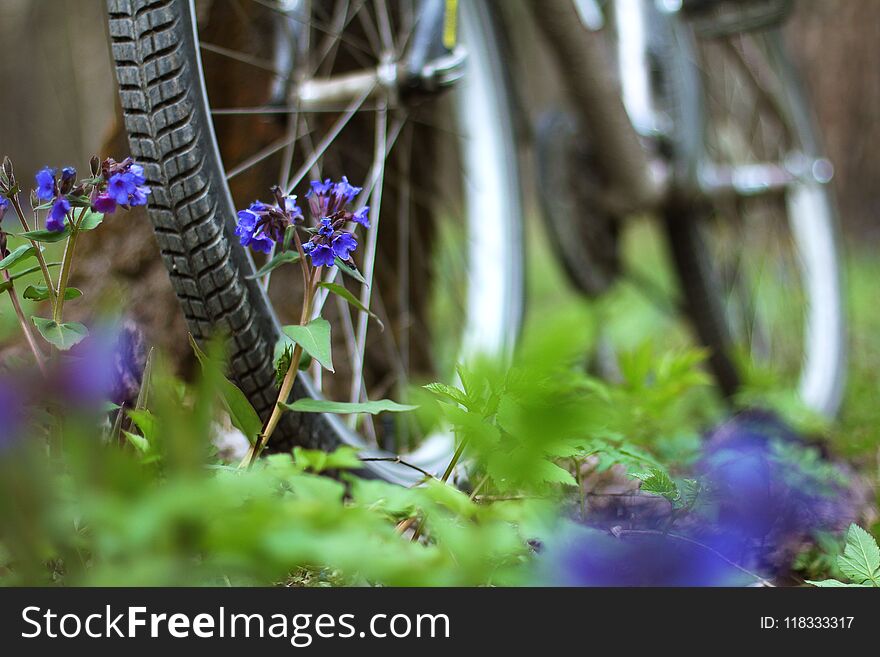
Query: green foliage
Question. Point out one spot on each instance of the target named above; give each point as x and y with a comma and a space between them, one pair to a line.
17, 255
342, 292
242, 414
64, 335
860, 561
41, 293
275, 262
316, 460
658, 482
350, 271
47, 236
314, 338
90, 220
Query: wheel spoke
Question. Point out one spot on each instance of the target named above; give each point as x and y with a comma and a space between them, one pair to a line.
328, 139
370, 250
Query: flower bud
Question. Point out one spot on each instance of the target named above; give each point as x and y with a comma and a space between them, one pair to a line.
95, 166
68, 177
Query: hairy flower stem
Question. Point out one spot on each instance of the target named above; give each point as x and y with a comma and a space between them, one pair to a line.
26, 328
38, 253
290, 377
66, 266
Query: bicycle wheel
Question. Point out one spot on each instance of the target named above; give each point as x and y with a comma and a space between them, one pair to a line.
759, 262
222, 100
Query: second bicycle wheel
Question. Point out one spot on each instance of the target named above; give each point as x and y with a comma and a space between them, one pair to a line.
224, 99
759, 264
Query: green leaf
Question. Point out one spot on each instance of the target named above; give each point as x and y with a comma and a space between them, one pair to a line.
64, 336
342, 291
22, 252
833, 583
30, 270
314, 338
91, 220
553, 474
860, 560
46, 236
448, 393
348, 270
342, 458
146, 422
140, 443
41, 293
242, 414
278, 260
306, 405
449, 497
658, 482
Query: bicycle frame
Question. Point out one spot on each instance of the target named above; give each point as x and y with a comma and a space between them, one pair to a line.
622, 109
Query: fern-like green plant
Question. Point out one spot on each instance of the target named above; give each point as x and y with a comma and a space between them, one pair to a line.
860, 561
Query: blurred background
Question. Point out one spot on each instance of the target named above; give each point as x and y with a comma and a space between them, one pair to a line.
58, 103
58, 95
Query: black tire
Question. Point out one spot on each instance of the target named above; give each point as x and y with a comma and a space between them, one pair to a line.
170, 133
170, 130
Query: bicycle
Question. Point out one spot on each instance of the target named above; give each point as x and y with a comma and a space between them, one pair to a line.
429, 86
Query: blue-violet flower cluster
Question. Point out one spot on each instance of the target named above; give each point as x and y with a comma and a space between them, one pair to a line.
262, 226
113, 184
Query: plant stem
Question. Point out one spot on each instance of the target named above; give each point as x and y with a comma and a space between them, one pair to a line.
289, 377
26, 328
703, 546
449, 468
66, 266
38, 251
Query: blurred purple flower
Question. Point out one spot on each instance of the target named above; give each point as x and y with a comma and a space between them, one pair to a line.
767, 481
4, 206
106, 366
45, 179
11, 414
362, 216
55, 218
589, 557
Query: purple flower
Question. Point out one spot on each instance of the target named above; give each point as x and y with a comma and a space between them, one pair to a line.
120, 187
136, 171
326, 198
126, 183
588, 557
104, 204
343, 244
321, 255
291, 209
68, 174
362, 216
325, 228
139, 196
107, 366
45, 179
770, 489
250, 230
4, 206
11, 413
55, 219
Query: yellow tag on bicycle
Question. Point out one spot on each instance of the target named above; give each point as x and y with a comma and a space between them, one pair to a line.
450, 24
